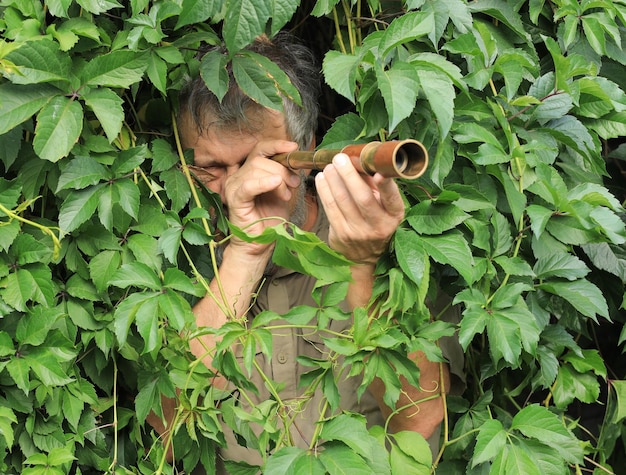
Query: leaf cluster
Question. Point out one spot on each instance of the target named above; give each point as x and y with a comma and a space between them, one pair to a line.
106, 240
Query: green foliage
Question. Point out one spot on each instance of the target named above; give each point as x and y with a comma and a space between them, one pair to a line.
104, 243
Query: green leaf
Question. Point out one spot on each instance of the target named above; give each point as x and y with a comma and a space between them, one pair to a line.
451, 248
589, 360
7, 419
59, 456
539, 217
78, 207
102, 266
399, 86
147, 397
344, 131
351, 430
47, 368
163, 157
307, 463
571, 385
490, 441
405, 464
594, 34
340, 71
280, 462
147, 321
72, 409
146, 250
411, 257
107, 106
619, 388
169, 243
33, 328
157, 72
98, 6
505, 12
177, 188
135, 274
176, 308
20, 287
197, 11
214, 73
339, 459
471, 132
414, 445
405, 28
80, 173
323, 7
129, 194
516, 460
584, 296
59, 124
607, 257
118, 69
38, 61
610, 126
428, 217
553, 107
504, 337
538, 422
19, 103
565, 266
438, 89
282, 12
126, 312
29, 250
19, 370
263, 81
244, 21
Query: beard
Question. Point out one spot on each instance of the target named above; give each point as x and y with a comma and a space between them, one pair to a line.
297, 217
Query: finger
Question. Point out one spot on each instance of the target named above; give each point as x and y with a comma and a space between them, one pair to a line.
389, 195
352, 189
335, 194
269, 148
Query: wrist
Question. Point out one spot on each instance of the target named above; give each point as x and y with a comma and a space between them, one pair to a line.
247, 257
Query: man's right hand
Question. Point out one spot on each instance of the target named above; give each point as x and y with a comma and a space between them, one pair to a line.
259, 190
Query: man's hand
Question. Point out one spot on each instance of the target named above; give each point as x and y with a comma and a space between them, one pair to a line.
258, 190
363, 211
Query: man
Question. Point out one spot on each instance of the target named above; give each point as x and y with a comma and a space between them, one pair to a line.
357, 215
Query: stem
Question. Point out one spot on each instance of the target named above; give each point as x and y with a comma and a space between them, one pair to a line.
46, 230
349, 24
114, 423
338, 33
185, 169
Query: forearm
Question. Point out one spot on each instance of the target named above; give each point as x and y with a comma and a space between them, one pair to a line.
360, 288
419, 409
229, 297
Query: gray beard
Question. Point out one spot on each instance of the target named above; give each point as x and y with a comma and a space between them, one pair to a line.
298, 218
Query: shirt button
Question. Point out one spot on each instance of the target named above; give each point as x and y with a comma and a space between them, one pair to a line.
282, 358
275, 282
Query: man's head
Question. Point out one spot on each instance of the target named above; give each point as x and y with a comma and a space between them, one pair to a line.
224, 133
201, 109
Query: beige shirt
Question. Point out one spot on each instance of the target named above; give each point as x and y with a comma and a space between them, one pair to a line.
280, 293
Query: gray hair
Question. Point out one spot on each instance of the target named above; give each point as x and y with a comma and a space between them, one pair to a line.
202, 108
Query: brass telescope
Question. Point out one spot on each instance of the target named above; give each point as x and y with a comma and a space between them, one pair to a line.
394, 159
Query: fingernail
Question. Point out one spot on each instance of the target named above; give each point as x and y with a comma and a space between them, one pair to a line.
340, 159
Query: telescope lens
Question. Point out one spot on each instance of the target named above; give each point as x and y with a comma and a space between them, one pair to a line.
401, 160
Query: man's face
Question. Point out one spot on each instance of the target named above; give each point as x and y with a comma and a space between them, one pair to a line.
221, 152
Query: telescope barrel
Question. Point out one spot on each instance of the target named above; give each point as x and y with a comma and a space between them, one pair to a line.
393, 159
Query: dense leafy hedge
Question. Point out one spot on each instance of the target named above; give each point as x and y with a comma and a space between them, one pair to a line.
104, 242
